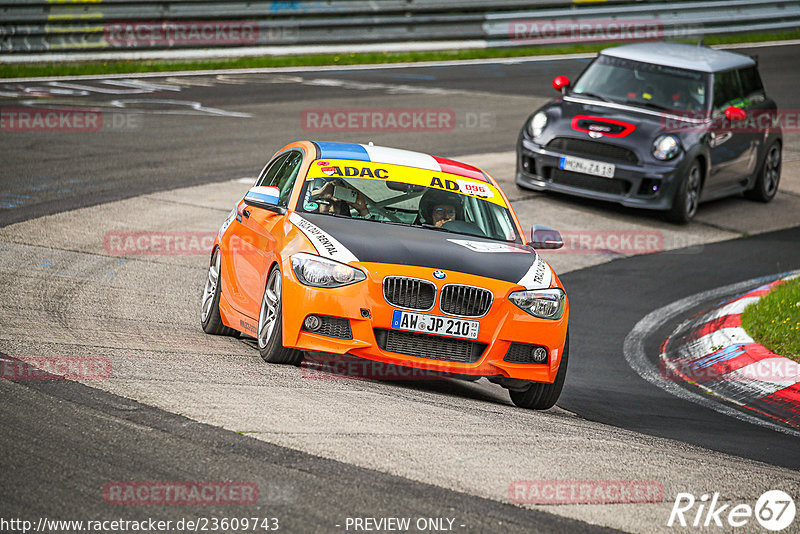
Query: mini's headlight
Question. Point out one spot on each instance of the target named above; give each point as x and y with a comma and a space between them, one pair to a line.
316, 271
543, 303
666, 147
537, 124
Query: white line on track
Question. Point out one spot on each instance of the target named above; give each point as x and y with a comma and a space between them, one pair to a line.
633, 349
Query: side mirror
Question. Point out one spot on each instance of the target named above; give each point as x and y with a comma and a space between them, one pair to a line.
560, 83
732, 113
264, 197
544, 237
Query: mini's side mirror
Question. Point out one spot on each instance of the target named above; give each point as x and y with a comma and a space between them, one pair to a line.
560, 83
264, 197
732, 113
544, 237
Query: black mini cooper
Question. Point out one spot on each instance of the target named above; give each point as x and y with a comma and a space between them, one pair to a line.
660, 126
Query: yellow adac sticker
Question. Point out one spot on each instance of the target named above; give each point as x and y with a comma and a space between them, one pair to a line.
335, 168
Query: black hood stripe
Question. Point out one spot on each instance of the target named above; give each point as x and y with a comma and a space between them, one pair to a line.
373, 242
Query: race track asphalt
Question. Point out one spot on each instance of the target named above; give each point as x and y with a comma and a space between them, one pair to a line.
66, 440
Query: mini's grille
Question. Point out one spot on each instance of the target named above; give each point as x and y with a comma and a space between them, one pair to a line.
600, 126
465, 301
523, 353
613, 186
428, 346
333, 327
410, 293
597, 149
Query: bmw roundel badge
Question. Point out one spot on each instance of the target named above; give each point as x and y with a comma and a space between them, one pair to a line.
439, 275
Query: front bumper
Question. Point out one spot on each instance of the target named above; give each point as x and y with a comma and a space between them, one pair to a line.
370, 316
640, 185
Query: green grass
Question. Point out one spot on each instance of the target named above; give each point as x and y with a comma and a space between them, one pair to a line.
774, 321
128, 66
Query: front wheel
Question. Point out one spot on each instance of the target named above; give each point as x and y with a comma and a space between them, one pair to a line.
270, 324
769, 175
687, 196
541, 396
210, 319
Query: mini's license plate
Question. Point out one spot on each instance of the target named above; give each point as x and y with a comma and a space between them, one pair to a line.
586, 166
435, 324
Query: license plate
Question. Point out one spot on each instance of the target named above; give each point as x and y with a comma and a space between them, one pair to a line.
586, 166
434, 324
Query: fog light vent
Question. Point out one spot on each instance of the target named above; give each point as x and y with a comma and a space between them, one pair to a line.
326, 325
524, 353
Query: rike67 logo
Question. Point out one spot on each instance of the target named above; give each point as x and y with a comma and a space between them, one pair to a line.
774, 510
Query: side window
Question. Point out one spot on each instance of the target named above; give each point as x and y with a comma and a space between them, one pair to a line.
726, 90
752, 87
270, 171
285, 177
282, 174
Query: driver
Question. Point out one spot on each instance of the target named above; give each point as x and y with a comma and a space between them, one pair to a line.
438, 207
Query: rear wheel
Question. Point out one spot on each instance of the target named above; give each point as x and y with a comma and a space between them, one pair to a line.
768, 177
270, 324
210, 318
541, 396
687, 197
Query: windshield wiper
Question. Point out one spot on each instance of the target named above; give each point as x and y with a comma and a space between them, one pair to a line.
651, 105
439, 228
593, 95
330, 214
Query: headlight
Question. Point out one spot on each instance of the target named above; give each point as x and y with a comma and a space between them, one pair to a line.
320, 272
543, 303
666, 147
537, 124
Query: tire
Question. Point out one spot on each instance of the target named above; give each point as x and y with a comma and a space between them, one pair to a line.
270, 324
541, 396
210, 319
687, 197
769, 176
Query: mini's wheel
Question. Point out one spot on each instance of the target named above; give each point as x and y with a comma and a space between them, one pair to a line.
210, 318
766, 185
270, 324
687, 196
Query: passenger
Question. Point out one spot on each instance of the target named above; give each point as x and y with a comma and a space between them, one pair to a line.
329, 203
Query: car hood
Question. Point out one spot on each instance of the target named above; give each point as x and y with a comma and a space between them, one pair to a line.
630, 128
346, 239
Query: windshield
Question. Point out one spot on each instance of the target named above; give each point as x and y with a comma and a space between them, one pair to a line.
644, 84
393, 194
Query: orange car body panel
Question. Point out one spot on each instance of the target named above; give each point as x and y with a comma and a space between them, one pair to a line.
255, 244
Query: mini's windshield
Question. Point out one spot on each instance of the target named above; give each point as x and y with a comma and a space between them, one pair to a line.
394, 195
645, 85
